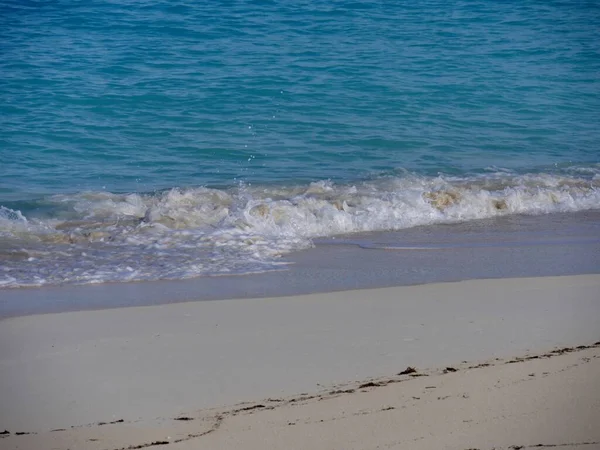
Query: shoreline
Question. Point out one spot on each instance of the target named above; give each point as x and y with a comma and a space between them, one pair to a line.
515, 246
144, 365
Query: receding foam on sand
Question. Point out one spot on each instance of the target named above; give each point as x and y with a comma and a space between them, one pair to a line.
320, 371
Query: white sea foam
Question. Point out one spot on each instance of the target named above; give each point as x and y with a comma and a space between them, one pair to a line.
11, 219
183, 233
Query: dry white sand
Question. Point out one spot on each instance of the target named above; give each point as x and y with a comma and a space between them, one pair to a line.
143, 367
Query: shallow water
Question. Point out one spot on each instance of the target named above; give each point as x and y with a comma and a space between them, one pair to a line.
511, 246
99, 237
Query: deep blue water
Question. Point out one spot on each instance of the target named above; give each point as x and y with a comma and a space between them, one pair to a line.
125, 119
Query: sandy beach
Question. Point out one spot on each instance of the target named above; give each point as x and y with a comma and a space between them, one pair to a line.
315, 371
299, 225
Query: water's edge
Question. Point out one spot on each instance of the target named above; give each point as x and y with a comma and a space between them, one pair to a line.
507, 247
99, 237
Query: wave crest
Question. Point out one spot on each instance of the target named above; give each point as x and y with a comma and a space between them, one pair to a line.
182, 233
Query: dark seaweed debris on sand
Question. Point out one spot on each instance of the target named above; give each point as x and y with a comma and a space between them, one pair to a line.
369, 384
342, 391
250, 408
409, 370
151, 444
110, 423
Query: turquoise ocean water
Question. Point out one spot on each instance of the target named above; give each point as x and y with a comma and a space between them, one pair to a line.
147, 140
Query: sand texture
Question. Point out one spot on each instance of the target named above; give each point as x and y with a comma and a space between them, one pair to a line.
547, 400
319, 371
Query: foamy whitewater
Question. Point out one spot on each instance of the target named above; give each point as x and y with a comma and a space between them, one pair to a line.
148, 140
94, 237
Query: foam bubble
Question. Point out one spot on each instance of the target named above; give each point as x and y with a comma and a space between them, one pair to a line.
182, 233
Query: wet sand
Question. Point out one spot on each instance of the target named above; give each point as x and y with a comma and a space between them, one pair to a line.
504, 247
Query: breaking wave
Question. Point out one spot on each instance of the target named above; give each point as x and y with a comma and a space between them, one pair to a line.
93, 237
